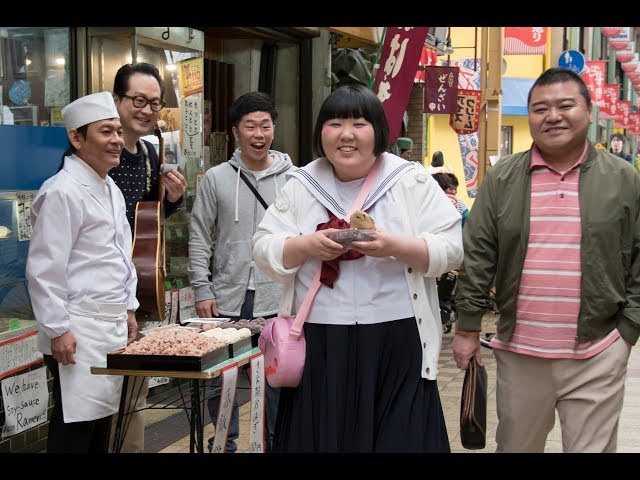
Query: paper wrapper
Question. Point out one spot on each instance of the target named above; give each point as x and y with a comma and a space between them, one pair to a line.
346, 237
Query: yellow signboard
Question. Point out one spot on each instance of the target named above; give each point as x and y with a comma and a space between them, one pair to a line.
191, 76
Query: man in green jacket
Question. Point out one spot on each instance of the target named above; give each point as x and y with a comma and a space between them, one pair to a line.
557, 230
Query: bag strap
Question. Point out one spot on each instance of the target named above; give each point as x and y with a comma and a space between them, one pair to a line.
296, 328
253, 189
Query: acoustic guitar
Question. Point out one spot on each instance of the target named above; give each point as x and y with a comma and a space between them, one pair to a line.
149, 250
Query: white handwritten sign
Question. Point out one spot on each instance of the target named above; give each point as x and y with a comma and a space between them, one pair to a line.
256, 424
155, 381
25, 400
192, 127
187, 303
227, 396
19, 353
23, 207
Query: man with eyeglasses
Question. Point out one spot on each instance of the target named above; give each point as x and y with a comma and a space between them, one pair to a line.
137, 91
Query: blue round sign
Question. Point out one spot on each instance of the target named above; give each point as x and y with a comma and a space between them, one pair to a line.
20, 92
572, 60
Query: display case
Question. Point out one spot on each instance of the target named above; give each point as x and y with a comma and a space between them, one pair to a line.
34, 74
15, 232
18, 328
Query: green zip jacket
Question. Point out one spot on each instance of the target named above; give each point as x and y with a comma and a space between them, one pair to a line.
496, 236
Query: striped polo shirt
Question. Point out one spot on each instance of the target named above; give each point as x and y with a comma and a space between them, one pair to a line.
549, 297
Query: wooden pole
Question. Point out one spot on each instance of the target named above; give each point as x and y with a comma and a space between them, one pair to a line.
491, 88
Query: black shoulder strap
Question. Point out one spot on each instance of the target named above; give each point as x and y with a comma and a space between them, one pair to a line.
253, 189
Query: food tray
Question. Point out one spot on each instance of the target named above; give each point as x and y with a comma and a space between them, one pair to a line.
346, 237
240, 347
179, 363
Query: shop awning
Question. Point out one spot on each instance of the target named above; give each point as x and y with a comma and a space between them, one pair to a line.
514, 95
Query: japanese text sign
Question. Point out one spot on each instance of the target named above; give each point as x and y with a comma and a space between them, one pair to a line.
525, 40
622, 117
399, 58
594, 76
465, 119
441, 89
610, 95
192, 76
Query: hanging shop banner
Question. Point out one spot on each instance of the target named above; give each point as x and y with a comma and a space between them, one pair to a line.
469, 79
428, 58
525, 40
621, 119
441, 90
626, 54
621, 39
465, 119
634, 123
398, 61
610, 31
610, 108
594, 76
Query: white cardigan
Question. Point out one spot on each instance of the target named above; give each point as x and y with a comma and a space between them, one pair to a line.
426, 212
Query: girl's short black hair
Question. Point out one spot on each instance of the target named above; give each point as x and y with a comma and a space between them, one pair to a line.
353, 101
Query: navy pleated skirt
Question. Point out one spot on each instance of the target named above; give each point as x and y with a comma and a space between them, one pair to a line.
361, 391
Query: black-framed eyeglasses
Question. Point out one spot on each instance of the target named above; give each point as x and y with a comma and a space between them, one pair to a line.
140, 102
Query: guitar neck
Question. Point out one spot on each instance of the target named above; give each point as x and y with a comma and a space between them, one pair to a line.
158, 134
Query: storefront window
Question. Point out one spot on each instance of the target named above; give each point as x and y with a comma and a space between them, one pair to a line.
34, 70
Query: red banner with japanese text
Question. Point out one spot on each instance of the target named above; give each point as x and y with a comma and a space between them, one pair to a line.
621, 119
594, 75
525, 40
634, 123
610, 95
441, 89
467, 115
398, 62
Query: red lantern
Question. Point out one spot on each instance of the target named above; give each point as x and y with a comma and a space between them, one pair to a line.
626, 55
630, 66
621, 40
610, 31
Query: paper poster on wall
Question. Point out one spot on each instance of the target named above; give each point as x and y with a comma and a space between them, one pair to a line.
23, 207
25, 399
187, 303
191, 127
19, 353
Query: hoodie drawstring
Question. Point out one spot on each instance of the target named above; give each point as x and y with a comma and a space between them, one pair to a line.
237, 192
275, 182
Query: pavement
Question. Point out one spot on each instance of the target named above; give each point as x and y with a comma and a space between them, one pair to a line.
175, 438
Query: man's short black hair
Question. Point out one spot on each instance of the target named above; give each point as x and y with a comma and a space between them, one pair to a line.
560, 75
249, 103
619, 136
121, 81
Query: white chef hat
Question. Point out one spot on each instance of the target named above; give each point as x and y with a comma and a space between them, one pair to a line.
89, 109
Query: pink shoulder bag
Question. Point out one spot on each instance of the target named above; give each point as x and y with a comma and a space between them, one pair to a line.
282, 339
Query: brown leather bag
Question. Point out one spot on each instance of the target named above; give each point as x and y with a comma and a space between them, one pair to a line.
473, 407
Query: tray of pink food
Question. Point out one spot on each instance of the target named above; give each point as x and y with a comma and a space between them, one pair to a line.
171, 348
188, 348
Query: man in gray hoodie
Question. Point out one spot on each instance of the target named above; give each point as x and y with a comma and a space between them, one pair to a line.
225, 215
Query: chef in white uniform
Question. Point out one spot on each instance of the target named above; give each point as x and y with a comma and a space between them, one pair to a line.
82, 281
